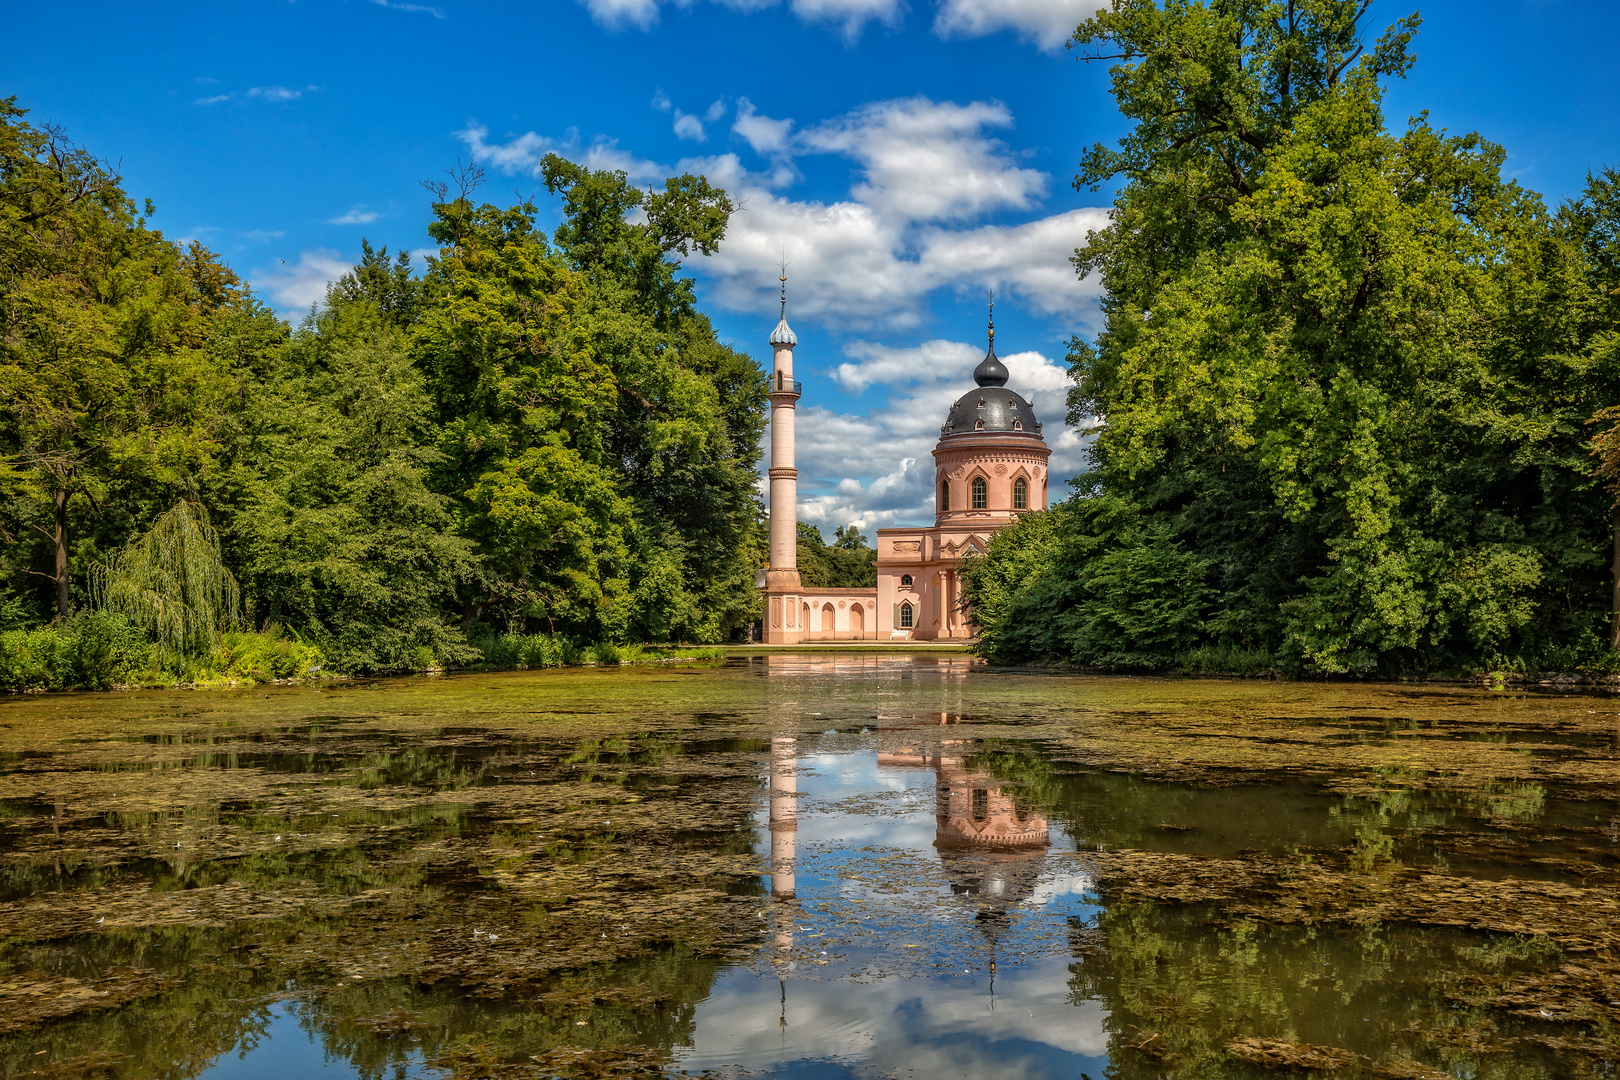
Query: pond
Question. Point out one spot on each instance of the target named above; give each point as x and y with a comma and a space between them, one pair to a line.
810, 866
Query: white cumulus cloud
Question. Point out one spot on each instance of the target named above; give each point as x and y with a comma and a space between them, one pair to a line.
849, 17
926, 160
688, 127
293, 288
906, 229
359, 214
620, 14
524, 153
764, 135
1047, 23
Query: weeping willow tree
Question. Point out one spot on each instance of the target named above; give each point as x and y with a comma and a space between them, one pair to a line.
173, 584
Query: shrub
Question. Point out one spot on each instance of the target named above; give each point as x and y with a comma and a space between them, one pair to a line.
92, 650
263, 657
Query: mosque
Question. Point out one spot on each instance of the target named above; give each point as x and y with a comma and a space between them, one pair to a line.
989, 469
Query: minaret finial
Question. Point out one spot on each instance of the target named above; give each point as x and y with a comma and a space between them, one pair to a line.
783, 334
991, 294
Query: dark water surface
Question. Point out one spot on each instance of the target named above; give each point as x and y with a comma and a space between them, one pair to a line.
810, 866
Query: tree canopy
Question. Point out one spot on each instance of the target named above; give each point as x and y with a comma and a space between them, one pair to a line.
1339, 403
531, 433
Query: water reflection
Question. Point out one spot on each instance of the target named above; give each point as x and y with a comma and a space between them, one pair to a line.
860, 1004
812, 865
784, 827
992, 849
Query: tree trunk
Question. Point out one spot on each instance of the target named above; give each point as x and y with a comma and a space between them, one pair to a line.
1614, 622
62, 554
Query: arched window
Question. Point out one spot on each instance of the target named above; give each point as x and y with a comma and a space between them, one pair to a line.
981, 804
1020, 494
980, 493
944, 494
905, 581
905, 616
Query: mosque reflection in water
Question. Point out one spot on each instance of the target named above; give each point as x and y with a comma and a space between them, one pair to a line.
991, 848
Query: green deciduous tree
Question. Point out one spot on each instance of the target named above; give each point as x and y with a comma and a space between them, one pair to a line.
333, 520
599, 443
1343, 376
107, 394
172, 583
846, 563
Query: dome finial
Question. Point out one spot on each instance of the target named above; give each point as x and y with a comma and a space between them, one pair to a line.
991, 371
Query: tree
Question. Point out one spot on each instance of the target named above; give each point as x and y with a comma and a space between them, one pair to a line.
390, 287
172, 583
846, 563
1594, 221
333, 522
598, 442
1342, 370
106, 396
811, 556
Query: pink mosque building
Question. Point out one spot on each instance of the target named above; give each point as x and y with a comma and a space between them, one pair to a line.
989, 469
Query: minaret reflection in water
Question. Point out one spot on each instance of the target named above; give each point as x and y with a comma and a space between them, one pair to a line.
784, 822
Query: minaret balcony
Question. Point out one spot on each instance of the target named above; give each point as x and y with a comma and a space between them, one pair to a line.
785, 387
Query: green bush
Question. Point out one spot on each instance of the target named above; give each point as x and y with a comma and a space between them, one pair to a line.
96, 650
91, 650
520, 652
264, 657
1225, 659
527, 651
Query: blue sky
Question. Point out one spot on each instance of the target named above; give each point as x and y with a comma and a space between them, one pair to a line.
906, 156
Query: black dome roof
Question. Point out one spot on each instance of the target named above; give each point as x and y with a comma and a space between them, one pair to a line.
992, 408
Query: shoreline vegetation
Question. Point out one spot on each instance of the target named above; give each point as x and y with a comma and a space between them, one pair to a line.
94, 651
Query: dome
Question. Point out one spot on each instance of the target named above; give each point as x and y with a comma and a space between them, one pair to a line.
992, 408
783, 334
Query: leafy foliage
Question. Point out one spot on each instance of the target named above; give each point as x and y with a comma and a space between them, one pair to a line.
536, 435
846, 563
173, 584
1344, 374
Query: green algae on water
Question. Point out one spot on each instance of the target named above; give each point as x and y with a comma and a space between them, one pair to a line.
547, 874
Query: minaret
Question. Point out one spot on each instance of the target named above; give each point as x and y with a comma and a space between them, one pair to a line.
783, 575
